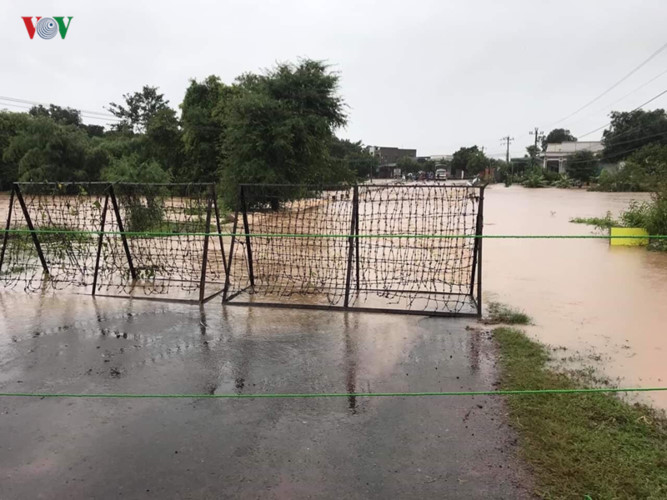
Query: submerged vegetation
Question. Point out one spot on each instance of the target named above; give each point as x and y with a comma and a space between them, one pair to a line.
503, 314
591, 444
605, 222
649, 215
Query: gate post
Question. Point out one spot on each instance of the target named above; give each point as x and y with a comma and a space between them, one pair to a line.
100, 240
477, 254
356, 232
350, 251
246, 228
202, 280
7, 226
35, 240
219, 227
123, 238
225, 290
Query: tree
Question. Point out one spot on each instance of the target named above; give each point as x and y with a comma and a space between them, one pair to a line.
46, 151
629, 131
202, 129
644, 170
556, 136
139, 108
11, 124
278, 128
62, 116
164, 143
353, 155
582, 166
408, 165
471, 160
132, 169
532, 151
94, 130
66, 116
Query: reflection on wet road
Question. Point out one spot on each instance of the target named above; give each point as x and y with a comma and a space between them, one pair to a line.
277, 448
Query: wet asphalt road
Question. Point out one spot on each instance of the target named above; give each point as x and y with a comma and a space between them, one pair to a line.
427, 447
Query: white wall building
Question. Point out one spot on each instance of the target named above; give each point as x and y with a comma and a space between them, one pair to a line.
555, 157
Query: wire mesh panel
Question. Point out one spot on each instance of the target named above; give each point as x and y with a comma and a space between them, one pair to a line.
118, 239
305, 260
385, 247
419, 270
163, 251
59, 256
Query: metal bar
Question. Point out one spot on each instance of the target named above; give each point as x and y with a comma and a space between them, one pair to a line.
202, 280
100, 183
246, 227
383, 290
474, 253
123, 238
338, 187
350, 246
219, 227
236, 294
480, 222
7, 226
278, 305
153, 298
212, 296
35, 240
231, 254
100, 241
356, 232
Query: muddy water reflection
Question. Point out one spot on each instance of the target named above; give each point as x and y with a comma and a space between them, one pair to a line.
582, 294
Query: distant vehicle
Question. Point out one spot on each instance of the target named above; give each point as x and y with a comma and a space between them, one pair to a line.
441, 174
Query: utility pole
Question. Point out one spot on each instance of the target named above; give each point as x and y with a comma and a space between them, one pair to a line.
538, 135
507, 140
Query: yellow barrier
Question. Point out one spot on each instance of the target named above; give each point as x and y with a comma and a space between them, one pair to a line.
628, 231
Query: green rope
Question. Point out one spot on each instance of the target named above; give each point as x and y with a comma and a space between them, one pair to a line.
330, 394
305, 235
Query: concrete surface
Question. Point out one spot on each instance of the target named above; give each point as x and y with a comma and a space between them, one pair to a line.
430, 447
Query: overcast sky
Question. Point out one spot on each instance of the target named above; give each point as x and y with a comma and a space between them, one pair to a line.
431, 75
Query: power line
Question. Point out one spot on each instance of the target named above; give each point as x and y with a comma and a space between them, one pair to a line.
638, 107
30, 107
36, 103
628, 75
635, 90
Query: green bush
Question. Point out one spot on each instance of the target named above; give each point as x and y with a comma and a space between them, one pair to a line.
651, 216
551, 176
563, 182
625, 180
534, 179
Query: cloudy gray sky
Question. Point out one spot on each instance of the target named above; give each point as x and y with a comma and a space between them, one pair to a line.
433, 75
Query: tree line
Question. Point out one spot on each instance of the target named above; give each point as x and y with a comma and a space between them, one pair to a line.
275, 127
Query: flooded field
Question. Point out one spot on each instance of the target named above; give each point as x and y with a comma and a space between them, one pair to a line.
607, 303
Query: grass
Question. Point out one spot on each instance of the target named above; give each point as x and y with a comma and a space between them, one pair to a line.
580, 444
502, 314
605, 222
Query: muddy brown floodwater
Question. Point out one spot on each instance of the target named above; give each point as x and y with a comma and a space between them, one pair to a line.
609, 304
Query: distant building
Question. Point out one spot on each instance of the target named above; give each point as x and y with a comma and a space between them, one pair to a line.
555, 157
438, 159
388, 158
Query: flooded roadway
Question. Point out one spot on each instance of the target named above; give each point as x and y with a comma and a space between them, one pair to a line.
346, 447
609, 304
